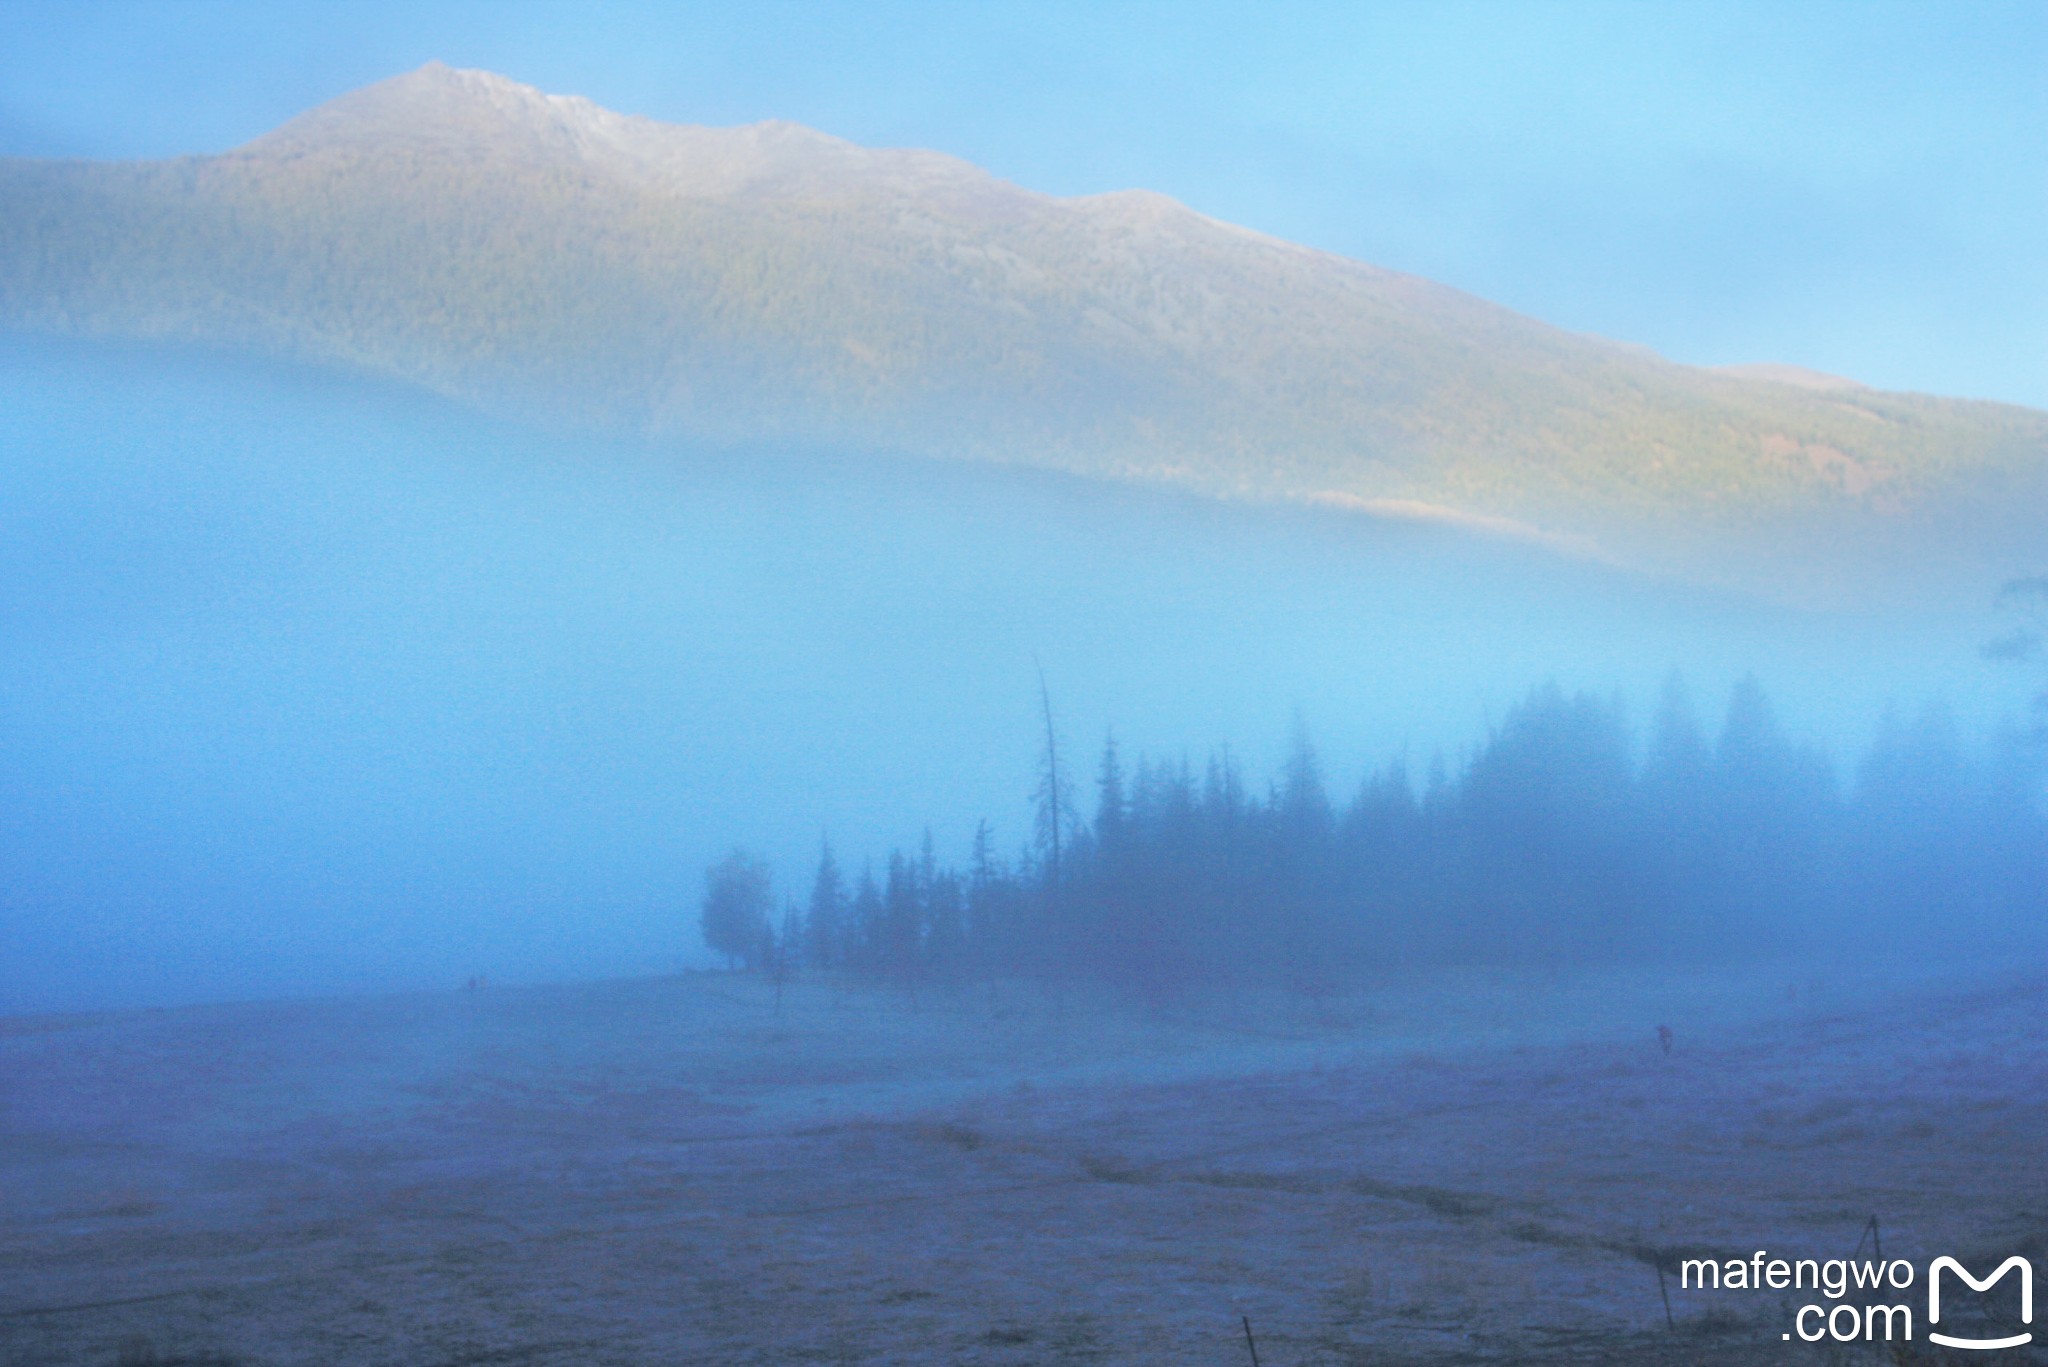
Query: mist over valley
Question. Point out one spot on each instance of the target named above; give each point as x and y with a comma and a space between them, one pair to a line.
629, 741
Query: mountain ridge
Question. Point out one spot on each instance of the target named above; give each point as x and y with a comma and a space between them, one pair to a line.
541, 256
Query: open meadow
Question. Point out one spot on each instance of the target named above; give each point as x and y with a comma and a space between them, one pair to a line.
1462, 1169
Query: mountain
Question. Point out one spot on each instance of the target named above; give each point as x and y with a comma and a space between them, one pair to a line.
538, 256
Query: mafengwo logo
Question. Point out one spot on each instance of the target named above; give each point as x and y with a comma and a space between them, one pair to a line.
1863, 1317
2014, 1263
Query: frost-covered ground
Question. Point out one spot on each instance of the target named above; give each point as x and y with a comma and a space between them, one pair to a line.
1459, 1169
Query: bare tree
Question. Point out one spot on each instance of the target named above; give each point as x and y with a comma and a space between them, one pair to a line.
1053, 797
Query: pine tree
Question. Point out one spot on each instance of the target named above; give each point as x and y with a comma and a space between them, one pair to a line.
825, 919
864, 938
902, 920
1111, 811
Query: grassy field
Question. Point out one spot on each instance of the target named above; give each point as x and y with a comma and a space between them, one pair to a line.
1473, 1169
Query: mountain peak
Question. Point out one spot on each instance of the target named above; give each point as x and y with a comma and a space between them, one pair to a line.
484, 118
439, 107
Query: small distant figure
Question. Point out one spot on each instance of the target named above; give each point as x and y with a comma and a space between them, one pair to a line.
1664, 1037
476, 982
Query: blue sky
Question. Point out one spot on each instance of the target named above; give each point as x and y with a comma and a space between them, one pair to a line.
1861, 188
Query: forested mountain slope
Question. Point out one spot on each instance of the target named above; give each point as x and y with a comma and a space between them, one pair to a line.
538, 255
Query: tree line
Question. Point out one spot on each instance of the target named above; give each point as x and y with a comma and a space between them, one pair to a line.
1560, 840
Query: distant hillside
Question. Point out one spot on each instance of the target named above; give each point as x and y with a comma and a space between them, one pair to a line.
535, 254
